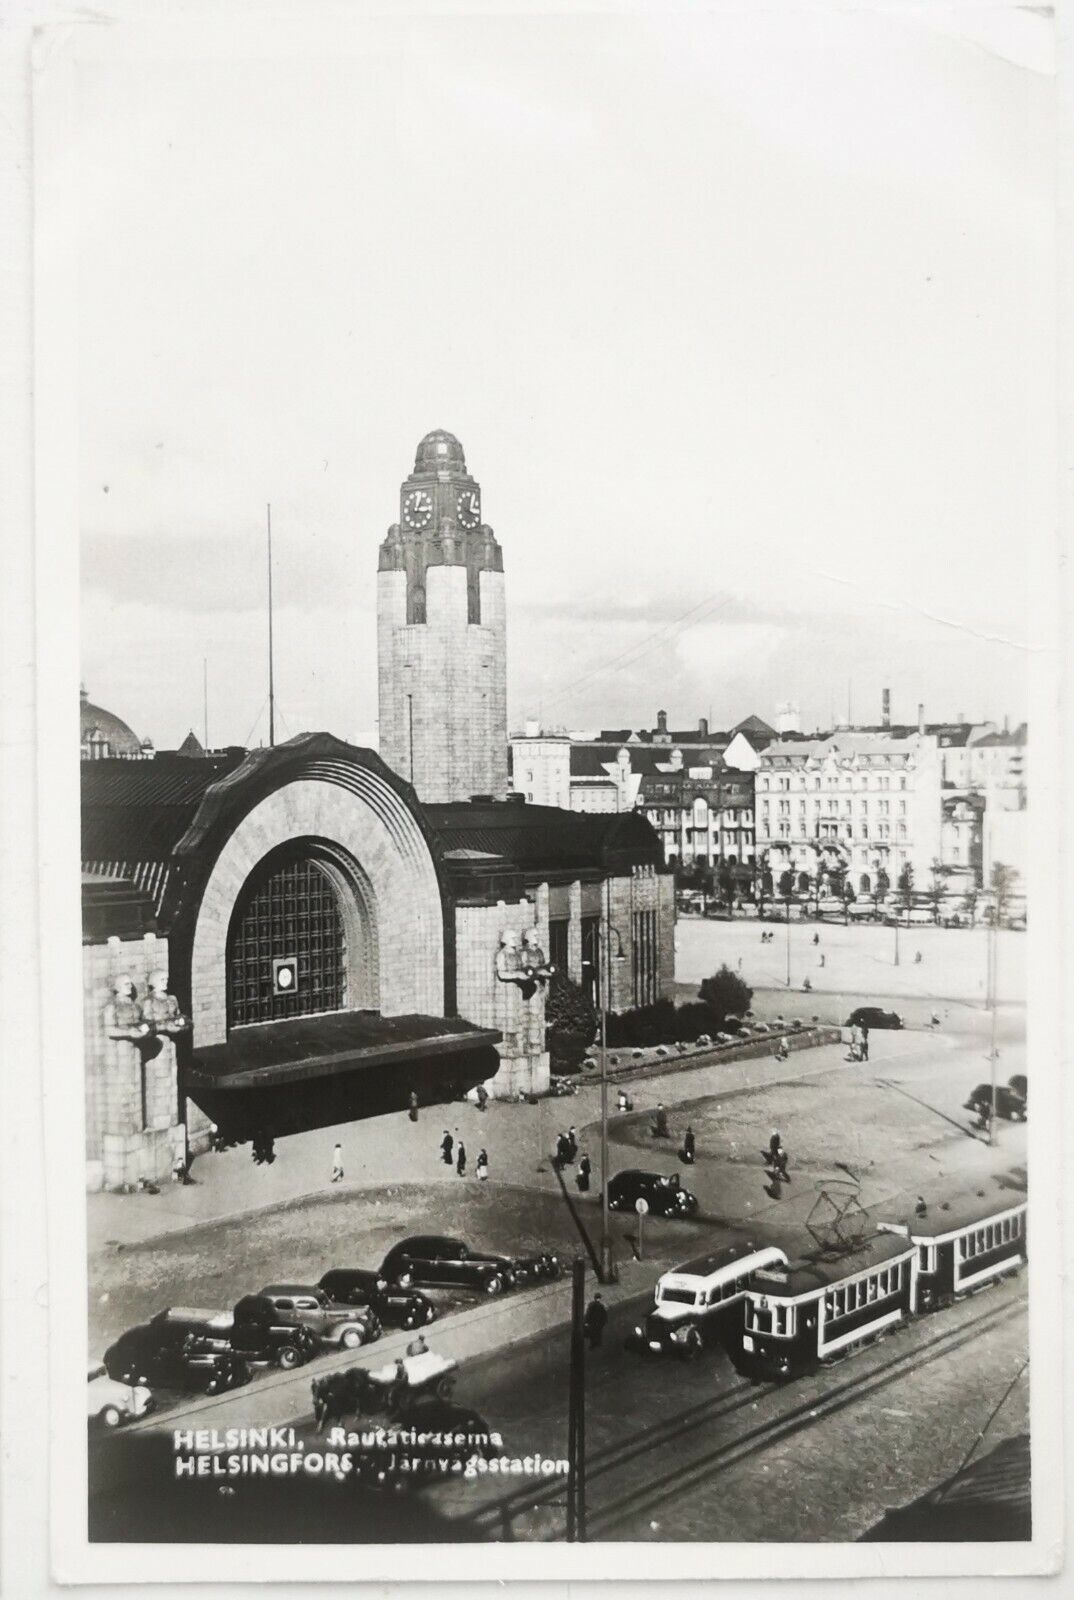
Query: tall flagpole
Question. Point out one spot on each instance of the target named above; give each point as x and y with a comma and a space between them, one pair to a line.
271, 679
205, 698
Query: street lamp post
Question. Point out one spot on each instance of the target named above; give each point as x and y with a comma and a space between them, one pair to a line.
607, 1264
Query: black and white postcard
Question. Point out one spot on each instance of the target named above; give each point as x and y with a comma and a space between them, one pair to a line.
549, 909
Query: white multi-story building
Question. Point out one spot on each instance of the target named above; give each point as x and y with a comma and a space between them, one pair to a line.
853, 804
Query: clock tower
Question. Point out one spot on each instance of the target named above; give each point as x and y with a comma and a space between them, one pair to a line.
441, 644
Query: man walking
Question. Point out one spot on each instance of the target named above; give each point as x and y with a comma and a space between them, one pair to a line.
460, 1160
572, 1145
584, 1169
337, 1163
447, 1148
413, 1111
482, 1168
595, 1321
689, 1145
865, 1041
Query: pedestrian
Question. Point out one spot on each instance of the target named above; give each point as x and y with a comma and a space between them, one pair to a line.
460, 1160
917, 959
816, 938
584, 1169
622, 1100
865, 1041
417, 1347
689, 1145
337, 1163
482, 1097
784, 1049
822, 958
559, 1160
447, 1149
482, 1168
413, 1112
595, 1321
660, 1126
572, 1145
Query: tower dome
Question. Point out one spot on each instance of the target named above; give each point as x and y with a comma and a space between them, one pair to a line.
439, 451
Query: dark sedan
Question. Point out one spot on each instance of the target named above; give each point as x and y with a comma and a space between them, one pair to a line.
664, 1194
522, 1270
873, 1017
395, 1306
431, 1259
174, 1357
1009, 1104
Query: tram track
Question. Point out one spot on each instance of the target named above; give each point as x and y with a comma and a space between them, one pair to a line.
499, 1517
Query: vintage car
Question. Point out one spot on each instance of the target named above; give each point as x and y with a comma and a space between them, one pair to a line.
663, 1193
256, 1341
396, 1307
873, 1017
1009, 1103
173, 1356
518, 1271
694, 1299
431, 1259
307, 1306
109, 1403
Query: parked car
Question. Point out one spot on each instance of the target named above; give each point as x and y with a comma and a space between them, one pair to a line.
171, 1356
521, 1270
873, 1017
270, 1338
306, 1305
109, 1403
395, 1306
665, 1195
1009, 1105
433, 1259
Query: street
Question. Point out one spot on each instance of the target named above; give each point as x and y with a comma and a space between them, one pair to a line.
674, 1452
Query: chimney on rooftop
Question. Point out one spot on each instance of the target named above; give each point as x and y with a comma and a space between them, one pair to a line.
661, 722
533, 728
920, 717
703, 727
885, 712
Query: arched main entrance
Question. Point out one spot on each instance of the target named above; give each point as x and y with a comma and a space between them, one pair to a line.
302, 937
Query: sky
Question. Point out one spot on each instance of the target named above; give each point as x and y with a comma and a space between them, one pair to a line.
744, 320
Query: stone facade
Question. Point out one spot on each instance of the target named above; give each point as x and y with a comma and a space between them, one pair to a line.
493, 1004
133, 1126
441, 634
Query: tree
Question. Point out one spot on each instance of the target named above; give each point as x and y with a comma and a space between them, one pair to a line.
727, 884
786, 884
937, 887
1004, 879
570, 1023
969, 905
848, 897
881, 886
726, 993
906, 886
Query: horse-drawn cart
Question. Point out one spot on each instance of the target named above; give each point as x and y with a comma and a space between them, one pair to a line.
388, 1391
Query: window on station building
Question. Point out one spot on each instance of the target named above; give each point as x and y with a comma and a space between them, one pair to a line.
558, 944
644, 957
286, 947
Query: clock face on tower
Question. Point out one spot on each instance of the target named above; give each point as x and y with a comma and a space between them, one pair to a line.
417, 509
468, 508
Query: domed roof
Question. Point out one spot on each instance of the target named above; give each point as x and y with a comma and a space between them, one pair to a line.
439, 450
100, 726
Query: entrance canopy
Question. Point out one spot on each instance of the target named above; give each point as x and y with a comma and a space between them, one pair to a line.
316, 1072
318, 1047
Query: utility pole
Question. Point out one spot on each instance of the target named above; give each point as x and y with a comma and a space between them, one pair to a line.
576, 1506
604, 956
788, 905
271, 677
205, 699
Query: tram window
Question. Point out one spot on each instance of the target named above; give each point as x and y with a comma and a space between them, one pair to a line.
872, 1289
883, 1286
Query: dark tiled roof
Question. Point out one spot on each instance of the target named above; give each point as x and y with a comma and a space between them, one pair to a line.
137, 811
545, 838
753, 725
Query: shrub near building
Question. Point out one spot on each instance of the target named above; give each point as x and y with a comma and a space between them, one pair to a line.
721, 996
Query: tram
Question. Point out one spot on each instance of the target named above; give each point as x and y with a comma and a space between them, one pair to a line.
967, 1245
799, 1317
